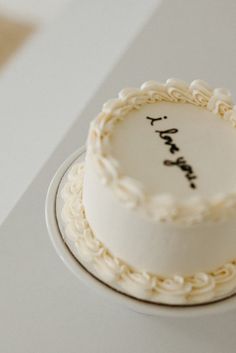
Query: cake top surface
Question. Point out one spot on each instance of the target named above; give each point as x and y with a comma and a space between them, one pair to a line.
168, 149
180, 149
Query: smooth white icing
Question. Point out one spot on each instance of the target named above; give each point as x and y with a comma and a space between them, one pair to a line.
134, 194
202, 139
177, 289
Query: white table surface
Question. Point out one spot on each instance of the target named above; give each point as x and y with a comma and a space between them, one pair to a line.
43, 307
50, 81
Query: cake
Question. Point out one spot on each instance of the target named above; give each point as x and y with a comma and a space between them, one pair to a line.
151, 211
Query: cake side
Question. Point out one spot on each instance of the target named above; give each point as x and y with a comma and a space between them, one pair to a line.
162, 248
201, 287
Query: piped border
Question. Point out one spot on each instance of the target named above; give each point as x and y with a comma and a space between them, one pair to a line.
178, 290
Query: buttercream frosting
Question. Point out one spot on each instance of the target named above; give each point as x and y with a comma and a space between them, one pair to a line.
178, 290
133, 194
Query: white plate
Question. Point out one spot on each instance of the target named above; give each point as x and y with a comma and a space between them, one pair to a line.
81, 273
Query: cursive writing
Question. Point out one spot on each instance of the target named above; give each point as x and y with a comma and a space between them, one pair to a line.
185, 167
180, 162
164, 134
153, 120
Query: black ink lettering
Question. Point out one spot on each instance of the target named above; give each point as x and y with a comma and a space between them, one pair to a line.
166, 132
168, 140
182, 164
153, 120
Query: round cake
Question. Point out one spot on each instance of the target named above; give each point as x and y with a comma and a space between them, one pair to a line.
152, 209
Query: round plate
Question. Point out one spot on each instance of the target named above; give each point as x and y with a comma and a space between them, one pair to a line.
81, 273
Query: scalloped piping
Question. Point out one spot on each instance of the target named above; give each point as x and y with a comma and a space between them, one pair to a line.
160, 207
199, 288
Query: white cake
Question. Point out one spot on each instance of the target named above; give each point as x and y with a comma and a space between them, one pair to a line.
152, 210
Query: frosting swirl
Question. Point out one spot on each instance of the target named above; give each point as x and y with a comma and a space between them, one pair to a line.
201, 92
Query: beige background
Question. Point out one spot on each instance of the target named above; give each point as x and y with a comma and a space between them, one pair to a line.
13, 33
